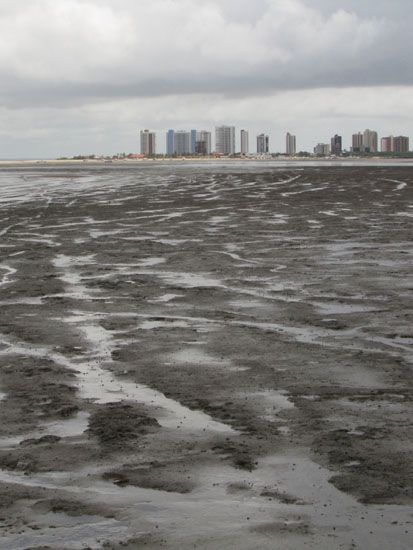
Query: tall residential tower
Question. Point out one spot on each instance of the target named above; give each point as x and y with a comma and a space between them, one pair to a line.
290, 144
182, 143
245, 146
357, 143
401, 144
170, 143
148, 143
336, 145
203, 143
263, 144
225, 140
370, 141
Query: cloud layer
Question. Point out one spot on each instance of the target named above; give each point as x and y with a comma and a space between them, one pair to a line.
77, 49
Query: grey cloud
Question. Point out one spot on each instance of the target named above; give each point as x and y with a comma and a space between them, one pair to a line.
333, 46
22, 95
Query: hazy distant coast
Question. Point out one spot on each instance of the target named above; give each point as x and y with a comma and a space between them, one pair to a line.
210, 160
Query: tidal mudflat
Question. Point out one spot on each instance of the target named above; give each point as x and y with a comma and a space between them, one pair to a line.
214, 357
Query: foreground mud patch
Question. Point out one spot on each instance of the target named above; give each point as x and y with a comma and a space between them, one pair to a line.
173, 477
120, 425
372, 469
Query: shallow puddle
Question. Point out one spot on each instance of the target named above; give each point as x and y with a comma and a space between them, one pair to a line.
336, 308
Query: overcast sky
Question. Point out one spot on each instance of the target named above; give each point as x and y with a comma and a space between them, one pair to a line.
83, 76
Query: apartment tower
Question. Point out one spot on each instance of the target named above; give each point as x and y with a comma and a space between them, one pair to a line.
170, 143
203, 143
263, 144
148, 143
357, 143
245, 148
225, 140
182, 143
401, 144
370, 141
336, 145
290, 144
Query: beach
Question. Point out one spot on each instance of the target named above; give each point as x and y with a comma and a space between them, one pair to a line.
205, 355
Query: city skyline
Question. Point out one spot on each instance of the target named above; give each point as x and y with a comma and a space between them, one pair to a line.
192, 142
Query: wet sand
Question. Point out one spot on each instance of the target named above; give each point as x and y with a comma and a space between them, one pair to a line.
212, 356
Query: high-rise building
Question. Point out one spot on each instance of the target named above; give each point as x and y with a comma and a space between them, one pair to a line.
225, 140
148, 143
193, 142
245, 146
263, 144
182, 143
203, 143
322, 149
401, 144
170, 143
336, 145
357, 143
290, 144
370, 141
387, 144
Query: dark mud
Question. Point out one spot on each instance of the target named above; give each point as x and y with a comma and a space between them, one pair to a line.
209, 357
118, 424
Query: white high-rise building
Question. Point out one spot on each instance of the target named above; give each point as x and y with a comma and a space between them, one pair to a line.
225, 140
245, 147
370, 141
290, 144
148, 143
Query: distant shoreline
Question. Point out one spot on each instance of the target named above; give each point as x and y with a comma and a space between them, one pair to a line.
209, 160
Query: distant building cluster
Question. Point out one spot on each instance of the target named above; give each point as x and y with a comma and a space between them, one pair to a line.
180, 143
